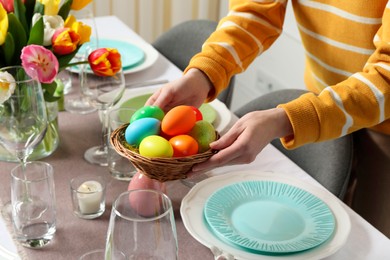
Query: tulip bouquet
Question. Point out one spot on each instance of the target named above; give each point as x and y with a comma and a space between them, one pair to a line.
43, 37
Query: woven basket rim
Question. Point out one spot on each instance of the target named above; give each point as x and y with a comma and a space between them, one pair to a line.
159, 168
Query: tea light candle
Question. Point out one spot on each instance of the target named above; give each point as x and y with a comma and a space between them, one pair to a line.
90, 196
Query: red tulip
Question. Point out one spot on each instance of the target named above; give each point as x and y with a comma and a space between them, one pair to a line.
105, 61
65, 41
8, 5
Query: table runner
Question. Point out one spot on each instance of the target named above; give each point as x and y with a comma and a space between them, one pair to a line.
76, 236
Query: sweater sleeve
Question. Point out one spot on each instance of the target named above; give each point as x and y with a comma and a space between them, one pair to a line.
249, 29
360, 101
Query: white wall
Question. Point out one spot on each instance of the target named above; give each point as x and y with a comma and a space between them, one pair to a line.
280, 67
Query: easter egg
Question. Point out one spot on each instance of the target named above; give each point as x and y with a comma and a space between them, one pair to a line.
155, 146
204, 133
183, 145
148, 111
141, 201
141, 181
198, 114
178, 120
141, 128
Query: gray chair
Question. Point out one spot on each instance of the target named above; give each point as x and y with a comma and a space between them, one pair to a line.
328, 162
183, 41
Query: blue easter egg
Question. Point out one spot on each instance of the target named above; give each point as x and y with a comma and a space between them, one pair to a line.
141, 128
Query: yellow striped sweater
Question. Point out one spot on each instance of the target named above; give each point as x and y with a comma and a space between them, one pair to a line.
347, 46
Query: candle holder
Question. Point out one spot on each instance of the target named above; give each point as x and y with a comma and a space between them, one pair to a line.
88, 196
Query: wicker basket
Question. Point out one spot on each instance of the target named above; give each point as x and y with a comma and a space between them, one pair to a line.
161, 169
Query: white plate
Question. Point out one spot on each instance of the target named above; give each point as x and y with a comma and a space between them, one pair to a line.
151, 56
224, 116
193, 204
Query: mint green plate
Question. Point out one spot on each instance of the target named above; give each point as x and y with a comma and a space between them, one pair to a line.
269, 217
208, 112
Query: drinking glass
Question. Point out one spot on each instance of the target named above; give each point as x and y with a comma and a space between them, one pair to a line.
80, 103
102, 92
23, 118
119, 167
142, 226
98, 254
33, 204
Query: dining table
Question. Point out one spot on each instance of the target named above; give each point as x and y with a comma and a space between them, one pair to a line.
78, 132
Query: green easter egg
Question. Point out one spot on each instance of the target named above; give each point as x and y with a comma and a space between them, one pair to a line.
148, 111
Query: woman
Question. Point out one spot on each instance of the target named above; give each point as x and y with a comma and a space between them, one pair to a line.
347, 70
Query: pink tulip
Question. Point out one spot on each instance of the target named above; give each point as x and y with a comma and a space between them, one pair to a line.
39, 60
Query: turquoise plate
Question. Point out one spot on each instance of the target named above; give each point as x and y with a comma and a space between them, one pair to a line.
208, 112
269, 217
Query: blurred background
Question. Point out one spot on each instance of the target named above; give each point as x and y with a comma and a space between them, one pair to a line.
280, 67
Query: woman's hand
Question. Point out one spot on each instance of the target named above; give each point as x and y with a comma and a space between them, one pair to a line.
191, 89
247, 138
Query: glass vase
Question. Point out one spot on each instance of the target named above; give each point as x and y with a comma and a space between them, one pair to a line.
49, 143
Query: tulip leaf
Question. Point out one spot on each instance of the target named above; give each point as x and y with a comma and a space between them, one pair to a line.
20, 13
65, 8
36, 33
49, 91
18, 33
8, 49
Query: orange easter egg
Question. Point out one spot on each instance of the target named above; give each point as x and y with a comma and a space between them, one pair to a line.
183, 145
179, 120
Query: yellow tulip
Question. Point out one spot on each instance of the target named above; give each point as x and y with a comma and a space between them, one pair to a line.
3, 24
83, 30
51, 6
79, 4
69, 21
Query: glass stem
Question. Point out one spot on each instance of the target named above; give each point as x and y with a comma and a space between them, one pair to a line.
104, 130
22, 156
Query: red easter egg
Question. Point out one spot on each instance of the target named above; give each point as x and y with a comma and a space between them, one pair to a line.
198, 114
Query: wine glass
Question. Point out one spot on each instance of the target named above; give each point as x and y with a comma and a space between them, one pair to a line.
80, 103
103, 92
142, 226
23, 118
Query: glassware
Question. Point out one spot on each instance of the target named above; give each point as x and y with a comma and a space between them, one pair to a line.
103, 92
142, 226
88, 194
33, 204
23, 116
120, 167
80, 103
49, 143
98, 254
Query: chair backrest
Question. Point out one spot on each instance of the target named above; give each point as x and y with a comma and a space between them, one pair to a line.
328, 162
183, 41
